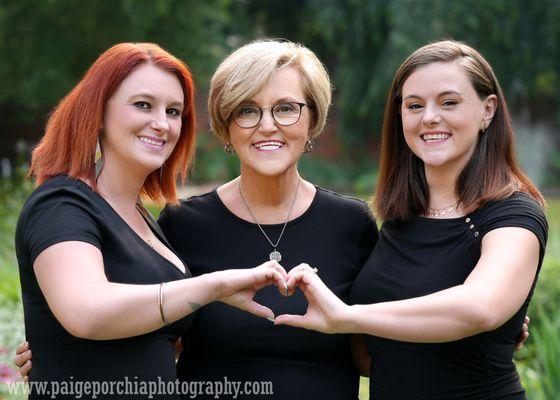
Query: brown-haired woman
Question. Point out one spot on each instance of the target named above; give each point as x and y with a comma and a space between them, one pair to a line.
444, 293
104, 295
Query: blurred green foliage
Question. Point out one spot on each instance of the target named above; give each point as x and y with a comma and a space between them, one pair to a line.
46, 46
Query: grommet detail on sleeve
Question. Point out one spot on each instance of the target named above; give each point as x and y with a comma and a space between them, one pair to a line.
476, 234
468, 220
472, 226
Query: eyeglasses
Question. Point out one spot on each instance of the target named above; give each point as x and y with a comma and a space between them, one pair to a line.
285, 114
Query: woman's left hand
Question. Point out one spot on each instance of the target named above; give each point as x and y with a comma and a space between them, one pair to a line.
325, 311
239, 286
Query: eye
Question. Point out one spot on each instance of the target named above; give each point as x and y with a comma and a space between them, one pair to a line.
173, 112
450, 103
414, 106
285, 108
143, 105
246, 111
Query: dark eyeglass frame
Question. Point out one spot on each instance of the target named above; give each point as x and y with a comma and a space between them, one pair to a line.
261, 111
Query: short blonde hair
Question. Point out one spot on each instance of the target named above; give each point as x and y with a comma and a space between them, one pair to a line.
244, 72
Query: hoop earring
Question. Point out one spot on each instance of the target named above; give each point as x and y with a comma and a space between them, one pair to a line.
98, 159
308, 146
228, 148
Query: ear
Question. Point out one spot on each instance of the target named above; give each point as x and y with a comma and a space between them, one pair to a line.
489, 106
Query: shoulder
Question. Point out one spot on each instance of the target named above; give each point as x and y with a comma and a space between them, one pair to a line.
60, 209
518, 210
189, 210
343, 203
347, 211
518, 204
58, 191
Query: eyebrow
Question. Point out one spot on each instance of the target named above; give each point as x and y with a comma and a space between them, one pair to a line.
280, 100
445, 93
149, 96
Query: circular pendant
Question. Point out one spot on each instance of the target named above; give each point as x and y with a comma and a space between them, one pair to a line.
275, 256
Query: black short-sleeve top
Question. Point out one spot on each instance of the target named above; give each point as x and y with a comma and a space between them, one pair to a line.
64, 209
423, 256
336, 235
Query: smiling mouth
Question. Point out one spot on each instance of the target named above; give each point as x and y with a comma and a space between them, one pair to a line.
435, 137
268, 145
152, 142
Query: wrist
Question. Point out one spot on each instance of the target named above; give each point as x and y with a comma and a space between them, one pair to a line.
347, 319
213, 286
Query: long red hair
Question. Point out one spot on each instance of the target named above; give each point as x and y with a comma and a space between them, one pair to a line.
72, 131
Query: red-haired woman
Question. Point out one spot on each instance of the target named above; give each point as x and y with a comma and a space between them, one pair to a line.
104, 295
444, 293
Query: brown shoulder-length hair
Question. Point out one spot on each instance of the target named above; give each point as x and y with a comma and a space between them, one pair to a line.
72, 131
492, 173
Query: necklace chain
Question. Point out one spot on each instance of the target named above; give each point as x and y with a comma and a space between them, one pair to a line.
275, 255
437, 212
150, 241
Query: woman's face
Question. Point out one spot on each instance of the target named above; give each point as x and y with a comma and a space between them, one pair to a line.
269, 148
142, 120
442, 115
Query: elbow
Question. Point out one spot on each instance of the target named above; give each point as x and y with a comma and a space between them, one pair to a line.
81, 331
82, 328
485, 319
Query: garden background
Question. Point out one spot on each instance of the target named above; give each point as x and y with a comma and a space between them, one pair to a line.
46, 46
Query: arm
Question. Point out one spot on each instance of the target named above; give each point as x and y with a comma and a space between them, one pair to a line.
492, 293
360, 354
89, 306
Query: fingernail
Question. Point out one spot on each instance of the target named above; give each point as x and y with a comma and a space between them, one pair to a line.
270, 319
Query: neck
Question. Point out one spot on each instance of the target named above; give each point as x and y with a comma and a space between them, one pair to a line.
269, 191
119, 185
441, 186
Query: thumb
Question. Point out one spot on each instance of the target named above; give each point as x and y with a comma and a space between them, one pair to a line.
259, 310
297, 321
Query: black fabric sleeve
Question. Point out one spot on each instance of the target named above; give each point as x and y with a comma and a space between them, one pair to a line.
517, 211
59, 216
165, 224
370, 234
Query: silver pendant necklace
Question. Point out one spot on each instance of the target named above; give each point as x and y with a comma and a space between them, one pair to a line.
275, 255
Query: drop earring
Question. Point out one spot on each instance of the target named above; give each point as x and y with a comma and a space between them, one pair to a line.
98, 159
308, 146
228, 148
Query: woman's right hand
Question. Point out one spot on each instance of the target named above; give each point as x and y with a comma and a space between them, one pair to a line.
238, 286
22, 359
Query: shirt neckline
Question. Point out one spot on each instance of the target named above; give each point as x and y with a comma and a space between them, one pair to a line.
139, 239
279, 225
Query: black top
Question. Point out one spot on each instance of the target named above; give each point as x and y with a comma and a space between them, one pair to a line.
424, 256
64, 209
336, 235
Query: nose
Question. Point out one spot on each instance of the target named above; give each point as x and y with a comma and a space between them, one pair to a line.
159, 122
267, 124
432, 115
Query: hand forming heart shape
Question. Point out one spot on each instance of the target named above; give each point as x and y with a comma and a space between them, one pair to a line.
325, 311
239, 286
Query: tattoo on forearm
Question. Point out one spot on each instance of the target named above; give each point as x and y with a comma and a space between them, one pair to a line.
194, 306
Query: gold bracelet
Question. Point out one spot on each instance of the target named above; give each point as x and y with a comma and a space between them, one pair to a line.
160, 302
